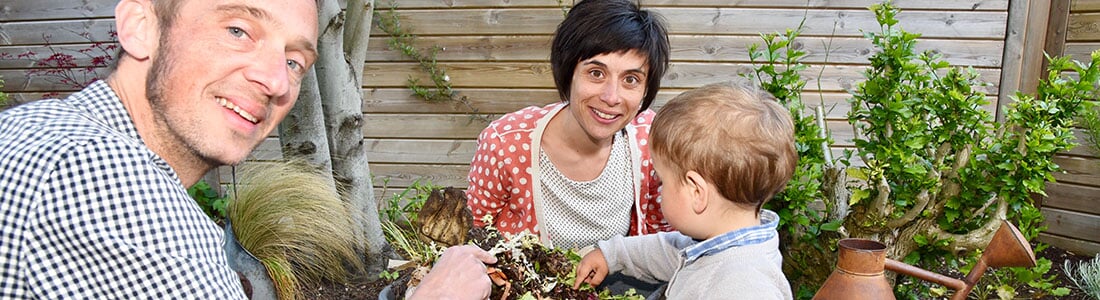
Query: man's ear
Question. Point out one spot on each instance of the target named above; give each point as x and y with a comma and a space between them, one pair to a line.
137, 26
699, 191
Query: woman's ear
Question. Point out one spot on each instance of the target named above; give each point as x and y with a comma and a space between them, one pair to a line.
699, 191
137, 27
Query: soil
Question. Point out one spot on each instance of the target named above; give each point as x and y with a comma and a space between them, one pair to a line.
370, 289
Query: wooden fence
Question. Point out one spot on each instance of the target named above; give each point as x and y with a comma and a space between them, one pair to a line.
496, 54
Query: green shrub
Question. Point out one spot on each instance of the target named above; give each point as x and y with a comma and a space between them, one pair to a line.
935, 172
207, 198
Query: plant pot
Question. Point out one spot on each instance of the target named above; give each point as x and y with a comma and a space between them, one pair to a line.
257, 284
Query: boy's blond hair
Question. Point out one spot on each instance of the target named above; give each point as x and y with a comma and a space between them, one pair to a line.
734, 134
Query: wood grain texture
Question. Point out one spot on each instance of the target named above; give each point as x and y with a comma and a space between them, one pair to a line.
713, 21
1071, 224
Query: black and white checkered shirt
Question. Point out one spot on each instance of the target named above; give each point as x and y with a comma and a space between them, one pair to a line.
87, 211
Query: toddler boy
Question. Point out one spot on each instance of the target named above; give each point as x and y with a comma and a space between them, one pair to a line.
721, 150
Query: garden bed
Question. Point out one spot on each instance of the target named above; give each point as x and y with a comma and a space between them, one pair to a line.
366, 289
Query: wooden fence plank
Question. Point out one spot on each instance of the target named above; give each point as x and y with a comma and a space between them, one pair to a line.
58, 32
459, 152
1077, 246
713, 21
1071, 224
1081, 51
1085, 5
402, 175
423, 126
1083, 27
1072, 197
19, 10
1056, 28
1078, 170
12, 57
537, 75
839, 50
819, 4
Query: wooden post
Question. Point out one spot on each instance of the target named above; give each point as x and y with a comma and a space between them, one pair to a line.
1056, 29
1023, 59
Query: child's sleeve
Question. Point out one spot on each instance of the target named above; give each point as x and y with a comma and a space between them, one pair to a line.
650, 258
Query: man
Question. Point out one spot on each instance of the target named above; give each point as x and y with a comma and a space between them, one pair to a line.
94, 204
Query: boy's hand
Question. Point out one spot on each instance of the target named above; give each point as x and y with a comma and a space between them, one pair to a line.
592, 269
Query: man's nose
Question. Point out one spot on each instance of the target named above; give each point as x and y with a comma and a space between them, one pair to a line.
269, 69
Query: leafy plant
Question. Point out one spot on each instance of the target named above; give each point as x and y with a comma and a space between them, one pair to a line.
937, 172
207, 198
402, 39
402, 207
1086, 276
777, 68
61, 66
1090, 121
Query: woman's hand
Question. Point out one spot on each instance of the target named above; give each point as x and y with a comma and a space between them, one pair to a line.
459, 274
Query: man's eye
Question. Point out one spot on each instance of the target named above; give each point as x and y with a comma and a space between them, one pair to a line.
293, 65
237, 32
596, 73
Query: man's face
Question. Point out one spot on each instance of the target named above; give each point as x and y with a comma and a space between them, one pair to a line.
227, 72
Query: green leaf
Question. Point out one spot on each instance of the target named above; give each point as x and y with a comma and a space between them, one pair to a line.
858, 195
832, 226
857, 173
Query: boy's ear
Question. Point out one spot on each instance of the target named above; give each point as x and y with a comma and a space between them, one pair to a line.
699, 191
137, 27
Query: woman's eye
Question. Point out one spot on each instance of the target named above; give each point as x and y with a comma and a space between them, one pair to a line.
596, 73
237, 32
633, 80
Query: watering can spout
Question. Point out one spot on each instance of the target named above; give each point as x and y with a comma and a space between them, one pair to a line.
858, 274
1009, 248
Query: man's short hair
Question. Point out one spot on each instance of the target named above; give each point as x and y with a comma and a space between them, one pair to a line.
595, 27
734, 134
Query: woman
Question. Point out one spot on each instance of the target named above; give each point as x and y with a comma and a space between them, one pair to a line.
579, 171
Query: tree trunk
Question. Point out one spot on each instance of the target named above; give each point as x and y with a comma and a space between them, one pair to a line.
302, 134
340, 88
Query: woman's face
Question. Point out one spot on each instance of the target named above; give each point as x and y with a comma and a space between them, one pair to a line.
606, 92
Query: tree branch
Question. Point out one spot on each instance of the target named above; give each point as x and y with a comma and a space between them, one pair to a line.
360, 14
977, 238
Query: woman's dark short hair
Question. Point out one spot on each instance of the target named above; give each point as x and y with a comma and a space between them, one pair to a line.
595, 27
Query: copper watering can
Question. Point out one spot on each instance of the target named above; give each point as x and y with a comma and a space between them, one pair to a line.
860, 265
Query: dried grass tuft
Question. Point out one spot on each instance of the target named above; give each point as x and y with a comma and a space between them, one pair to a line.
293, 220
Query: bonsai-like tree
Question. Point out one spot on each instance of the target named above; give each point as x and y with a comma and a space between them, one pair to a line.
933, 174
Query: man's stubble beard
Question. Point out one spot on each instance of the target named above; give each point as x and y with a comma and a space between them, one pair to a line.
177, 133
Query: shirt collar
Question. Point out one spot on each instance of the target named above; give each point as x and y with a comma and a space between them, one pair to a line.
102, 105
742, 237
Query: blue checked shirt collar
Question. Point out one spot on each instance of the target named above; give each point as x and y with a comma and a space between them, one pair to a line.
742, 237
102, 105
